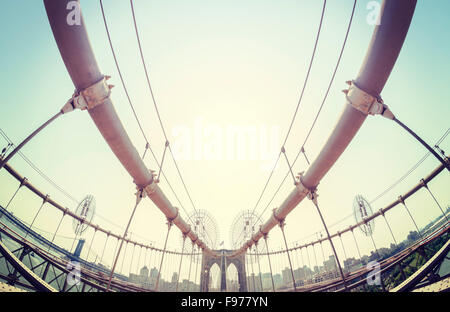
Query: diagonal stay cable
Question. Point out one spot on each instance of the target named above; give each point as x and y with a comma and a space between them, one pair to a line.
413, 168
133, 109
155, 103
320, 108
39, 171
388, 189
157, 111
298, 104
59, 188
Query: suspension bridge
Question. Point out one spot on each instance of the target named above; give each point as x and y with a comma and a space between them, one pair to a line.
114, 259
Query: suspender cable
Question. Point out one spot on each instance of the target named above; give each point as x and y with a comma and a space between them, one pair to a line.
190, 265
253, 272
139, 259
90, 246
409, 213
15, 193
419, 139
132, 257
169, 226
196, 266
342, 243
181, 261
314, 200
356, 243
259, 266
104, 247
270, 265
389, 227
282, 224
37, 213
391, 32
298, 103
425, 185
320, 108
139, 196
27, 139
56, 231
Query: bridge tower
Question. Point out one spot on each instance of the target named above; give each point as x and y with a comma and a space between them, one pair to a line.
223, 260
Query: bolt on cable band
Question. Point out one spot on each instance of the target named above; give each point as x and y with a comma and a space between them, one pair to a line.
90, 97
365, 102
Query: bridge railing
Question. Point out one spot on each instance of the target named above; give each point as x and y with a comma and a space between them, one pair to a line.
359, 273
61, 252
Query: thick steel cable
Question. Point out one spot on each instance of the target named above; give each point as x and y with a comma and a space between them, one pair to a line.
138, 200
181, 261
421, 141
155, 103
321, 106
104, 247
413, 168
298, 104
169, 224
35, 168
64, 192
134, 111
282, 224
330, 226
270, 264
35, 216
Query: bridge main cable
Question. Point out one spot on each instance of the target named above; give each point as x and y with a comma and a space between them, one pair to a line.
396, 16
84, 72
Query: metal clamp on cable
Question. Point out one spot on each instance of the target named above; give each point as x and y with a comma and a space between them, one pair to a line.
171, 219
151, 188
185, 234
366, 102
140, 194
310, 193
302, 189
90, 97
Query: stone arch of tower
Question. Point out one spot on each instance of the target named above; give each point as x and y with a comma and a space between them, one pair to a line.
223, 259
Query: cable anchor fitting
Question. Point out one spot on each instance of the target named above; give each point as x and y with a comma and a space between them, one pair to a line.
365, 102
139, 194
280, 221
171, 219
152, 186
90, 97
310, 193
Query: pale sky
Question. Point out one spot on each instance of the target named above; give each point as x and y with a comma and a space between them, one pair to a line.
219, 64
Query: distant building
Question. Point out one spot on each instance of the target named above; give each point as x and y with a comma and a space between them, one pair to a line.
258, 283
153, 273
330, 264
174, 277
299, 274
267, 281
287, 276
352, 264
144, 272
278, 280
